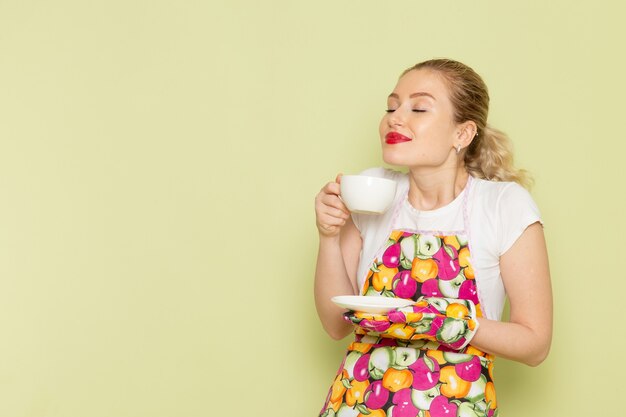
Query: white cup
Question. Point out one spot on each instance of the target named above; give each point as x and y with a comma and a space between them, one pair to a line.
368, 195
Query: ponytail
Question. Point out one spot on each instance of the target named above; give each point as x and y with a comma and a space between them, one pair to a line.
490, 156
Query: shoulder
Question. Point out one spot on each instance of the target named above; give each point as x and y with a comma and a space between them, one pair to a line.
496, 190
500, 194
507, 207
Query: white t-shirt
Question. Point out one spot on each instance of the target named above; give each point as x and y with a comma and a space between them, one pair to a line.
498, 213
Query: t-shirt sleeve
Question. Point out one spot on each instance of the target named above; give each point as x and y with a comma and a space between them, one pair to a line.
516, 210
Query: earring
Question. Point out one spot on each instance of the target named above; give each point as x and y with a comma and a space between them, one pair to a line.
458, 148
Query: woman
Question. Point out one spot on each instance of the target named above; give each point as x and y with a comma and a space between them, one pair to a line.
464, 233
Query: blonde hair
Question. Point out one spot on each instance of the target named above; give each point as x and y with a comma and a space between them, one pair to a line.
490, 155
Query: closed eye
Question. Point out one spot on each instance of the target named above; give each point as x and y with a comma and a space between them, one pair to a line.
415, 110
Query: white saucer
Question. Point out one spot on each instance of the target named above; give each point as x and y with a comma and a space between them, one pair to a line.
370, 304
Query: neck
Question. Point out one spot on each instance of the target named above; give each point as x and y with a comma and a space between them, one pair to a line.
430, 190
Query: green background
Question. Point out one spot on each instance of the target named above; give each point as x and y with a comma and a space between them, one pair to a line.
159, 162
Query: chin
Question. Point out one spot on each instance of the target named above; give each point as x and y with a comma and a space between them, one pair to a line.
396, 158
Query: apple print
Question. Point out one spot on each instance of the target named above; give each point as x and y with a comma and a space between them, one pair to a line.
470, 370
405, 356
430, 288
440, 304
371, 291
482, 406
408, 246
376, 396
423, 399
468, 410
346, 411
451, 330
396, 316
423, 326
404, 286
369, 339
425, 373
428, 245
391, 256
477, 391
454, 388
403, 405
436, 324
441, 407
452, 287
361, 368
350, 362
447, 259
380, 360
468, 291
455, 357
374, 325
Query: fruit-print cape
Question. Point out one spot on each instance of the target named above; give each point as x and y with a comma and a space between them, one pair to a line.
416, 361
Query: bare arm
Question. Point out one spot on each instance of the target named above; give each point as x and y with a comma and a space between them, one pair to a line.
337, 259
527, 336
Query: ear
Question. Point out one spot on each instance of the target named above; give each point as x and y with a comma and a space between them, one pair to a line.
466, 132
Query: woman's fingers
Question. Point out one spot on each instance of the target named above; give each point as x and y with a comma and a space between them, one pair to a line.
339, 213
333, 222
328, 214
332, 188
330, 210
335, 202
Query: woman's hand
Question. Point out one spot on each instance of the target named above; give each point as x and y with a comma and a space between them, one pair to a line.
330, 212
447, 321
337, 259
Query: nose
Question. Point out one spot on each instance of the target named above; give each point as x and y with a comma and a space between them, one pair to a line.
396, 118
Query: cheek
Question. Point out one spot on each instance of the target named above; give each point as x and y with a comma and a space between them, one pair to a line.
435, 133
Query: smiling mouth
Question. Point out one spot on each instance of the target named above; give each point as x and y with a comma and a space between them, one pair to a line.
395, 137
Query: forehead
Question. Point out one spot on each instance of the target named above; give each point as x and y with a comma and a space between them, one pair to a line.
422, 81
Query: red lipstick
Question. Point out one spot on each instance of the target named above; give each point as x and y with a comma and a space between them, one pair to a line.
395, 137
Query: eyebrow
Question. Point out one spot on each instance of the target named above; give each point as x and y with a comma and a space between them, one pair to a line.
418, 94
